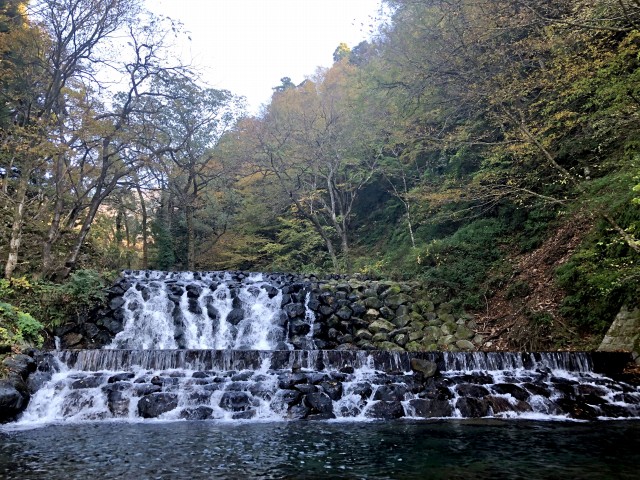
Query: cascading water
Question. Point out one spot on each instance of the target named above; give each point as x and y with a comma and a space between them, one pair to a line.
201, 311
234, 347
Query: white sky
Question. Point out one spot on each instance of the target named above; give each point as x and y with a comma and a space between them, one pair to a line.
247, 46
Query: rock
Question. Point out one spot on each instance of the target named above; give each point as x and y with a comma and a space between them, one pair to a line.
155, 404
471, 390
472, 407
430, 408
295, 310
299, 327
465, 345
463, 333
116, 303
119, 377
373, 303
510, 389
344, 313
36, 381
402, 321
19, 364
235, 401
381, 326
332, 389
426, 367
235, 316
118, 403
91, 381
318, 402
13, 399
72, 340
385, 410
198, 413
394, 301
391, 393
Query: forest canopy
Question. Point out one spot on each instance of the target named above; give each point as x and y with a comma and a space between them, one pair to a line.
465, 133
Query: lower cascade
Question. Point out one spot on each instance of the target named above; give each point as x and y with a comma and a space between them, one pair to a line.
321, 384
235, 346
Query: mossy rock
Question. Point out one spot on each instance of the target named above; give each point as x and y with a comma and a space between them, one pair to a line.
401, 339
447, 317
380, 337
416, 335
381, 326
465, 345
402, 321
434, 332
364, 334
394, 301
449, 328
446, 340
389, 346
463, 333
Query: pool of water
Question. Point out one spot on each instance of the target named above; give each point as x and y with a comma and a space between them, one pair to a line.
403, 449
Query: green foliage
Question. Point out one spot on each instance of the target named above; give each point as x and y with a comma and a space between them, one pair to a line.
18, 327
460, 263
55, 304
603, 274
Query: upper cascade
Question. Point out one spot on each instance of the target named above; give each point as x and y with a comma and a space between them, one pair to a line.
210, 310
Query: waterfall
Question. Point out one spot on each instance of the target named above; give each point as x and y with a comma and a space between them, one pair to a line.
208, 310
234, 346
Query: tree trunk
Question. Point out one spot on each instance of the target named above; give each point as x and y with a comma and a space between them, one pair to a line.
191, 250
145, 253
16, 228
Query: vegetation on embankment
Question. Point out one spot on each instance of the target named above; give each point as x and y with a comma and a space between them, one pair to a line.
486, 148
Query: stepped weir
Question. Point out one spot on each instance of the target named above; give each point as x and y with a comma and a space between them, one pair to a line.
234, 346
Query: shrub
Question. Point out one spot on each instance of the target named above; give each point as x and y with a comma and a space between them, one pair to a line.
18, 327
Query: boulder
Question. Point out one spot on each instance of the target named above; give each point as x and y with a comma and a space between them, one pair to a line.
13, 399
385, 410
430, 408
155, 404
426, 367
381, 326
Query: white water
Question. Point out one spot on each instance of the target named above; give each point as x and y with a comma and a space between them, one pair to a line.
153, 321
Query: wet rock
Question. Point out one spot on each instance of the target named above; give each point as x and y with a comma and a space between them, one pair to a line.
155, 404
116, 303
510, 389
19, 364
332, 389
295, 310
318, 402
92, 381
120, 377
392, 392
198, 413
470, 390
470, 407
299, 327
37, 380
235, 316
430, 408
118, 403
13, 399
235, 401
142, 389
385, 410
426, 367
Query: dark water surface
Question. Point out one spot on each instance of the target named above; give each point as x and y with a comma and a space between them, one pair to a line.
442, 449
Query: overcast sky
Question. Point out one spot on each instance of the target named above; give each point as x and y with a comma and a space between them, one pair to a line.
247, 46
